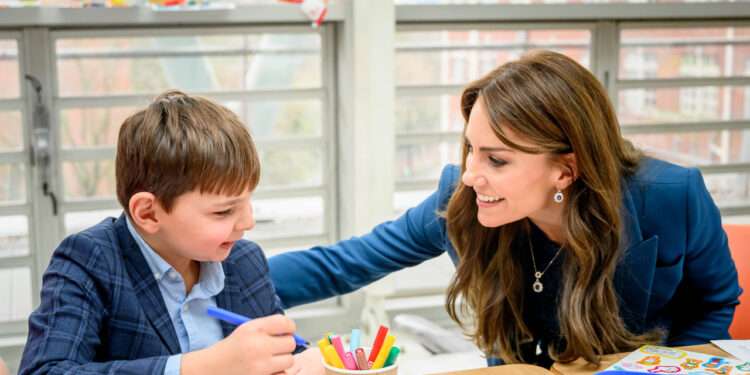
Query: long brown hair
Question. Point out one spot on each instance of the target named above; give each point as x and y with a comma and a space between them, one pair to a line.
559, 107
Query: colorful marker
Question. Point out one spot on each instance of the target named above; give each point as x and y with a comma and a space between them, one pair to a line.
339, 346
382, 333
329, 353
362, 362
350, 359
322, 343
392, 356
387, 344
237, 319
354, 340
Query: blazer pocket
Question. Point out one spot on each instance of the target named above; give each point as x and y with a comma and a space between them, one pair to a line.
666, 279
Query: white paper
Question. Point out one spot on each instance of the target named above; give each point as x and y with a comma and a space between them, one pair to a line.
737, 348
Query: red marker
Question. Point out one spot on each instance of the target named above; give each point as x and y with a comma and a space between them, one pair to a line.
382, 332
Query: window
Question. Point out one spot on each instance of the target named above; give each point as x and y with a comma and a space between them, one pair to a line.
273, 79
433, 64
16, 259
699, 116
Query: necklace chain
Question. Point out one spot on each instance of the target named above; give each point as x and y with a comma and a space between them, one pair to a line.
537, 286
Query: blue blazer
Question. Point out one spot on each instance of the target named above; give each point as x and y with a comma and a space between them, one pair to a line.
676, 271
101, 310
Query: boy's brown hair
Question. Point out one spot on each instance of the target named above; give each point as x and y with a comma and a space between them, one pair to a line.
180, 143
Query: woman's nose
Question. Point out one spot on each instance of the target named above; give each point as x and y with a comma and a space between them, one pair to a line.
471, 177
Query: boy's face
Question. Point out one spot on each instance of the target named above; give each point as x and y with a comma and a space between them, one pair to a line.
204, 226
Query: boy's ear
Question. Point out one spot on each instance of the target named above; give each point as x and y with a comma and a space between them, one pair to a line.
143, 207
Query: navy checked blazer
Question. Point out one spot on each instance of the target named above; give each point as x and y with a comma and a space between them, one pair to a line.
101, 310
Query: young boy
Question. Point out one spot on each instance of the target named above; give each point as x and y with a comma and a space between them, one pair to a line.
129, 295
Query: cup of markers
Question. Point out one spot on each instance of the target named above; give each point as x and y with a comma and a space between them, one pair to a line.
353, 358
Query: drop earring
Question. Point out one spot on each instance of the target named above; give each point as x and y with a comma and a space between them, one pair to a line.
558, 197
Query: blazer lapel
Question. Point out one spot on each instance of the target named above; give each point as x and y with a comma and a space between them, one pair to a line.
635, 272
227, 299
146, 288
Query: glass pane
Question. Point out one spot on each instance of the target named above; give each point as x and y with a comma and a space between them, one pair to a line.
285, 217
11, 133
729, 188
428, 114
284, 167
665, 53
206, 43
15, 289
458, 66
404, 200
89, 179
736, 219
9, 72
89, 127
12, 183
425, 161
141, 65
14, 236
78, 221
301, 118
684, 104
697, 148
433, 274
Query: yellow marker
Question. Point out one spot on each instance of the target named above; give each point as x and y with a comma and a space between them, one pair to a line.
383, 354
332, 358
322, 343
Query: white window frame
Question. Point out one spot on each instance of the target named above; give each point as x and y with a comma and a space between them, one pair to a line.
348, 23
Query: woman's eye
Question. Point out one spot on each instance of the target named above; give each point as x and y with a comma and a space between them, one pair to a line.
497, 162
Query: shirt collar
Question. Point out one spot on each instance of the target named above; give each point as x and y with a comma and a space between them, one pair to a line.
212, 273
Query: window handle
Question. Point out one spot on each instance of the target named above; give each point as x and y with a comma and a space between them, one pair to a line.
40, 140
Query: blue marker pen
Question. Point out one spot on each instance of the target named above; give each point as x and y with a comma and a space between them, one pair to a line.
237, 319
354, 341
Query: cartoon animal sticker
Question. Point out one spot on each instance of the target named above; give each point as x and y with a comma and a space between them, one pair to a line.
714, 363
690, 363
651, 360
665, 370
725, 370
663, 351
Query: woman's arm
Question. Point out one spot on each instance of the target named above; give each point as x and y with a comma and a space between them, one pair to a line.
325, 271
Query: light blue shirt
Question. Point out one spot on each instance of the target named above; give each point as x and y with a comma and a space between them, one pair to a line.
194, 328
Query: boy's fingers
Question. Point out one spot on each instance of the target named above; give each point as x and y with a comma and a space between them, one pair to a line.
281, 345
274, 325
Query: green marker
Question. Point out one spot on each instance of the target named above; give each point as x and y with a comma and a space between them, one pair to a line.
392, 355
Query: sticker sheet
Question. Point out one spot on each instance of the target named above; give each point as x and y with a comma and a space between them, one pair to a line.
650, 359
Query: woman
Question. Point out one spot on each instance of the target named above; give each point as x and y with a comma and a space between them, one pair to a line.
568, 243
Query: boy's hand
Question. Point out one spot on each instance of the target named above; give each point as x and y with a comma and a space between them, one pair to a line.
309, 362
261, 346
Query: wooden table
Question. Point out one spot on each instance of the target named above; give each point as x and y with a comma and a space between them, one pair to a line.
579, 367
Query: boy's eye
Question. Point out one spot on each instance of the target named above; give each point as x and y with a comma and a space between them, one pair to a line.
497, 162
223, 213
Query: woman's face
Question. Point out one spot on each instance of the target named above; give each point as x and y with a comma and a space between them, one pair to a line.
509, 184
